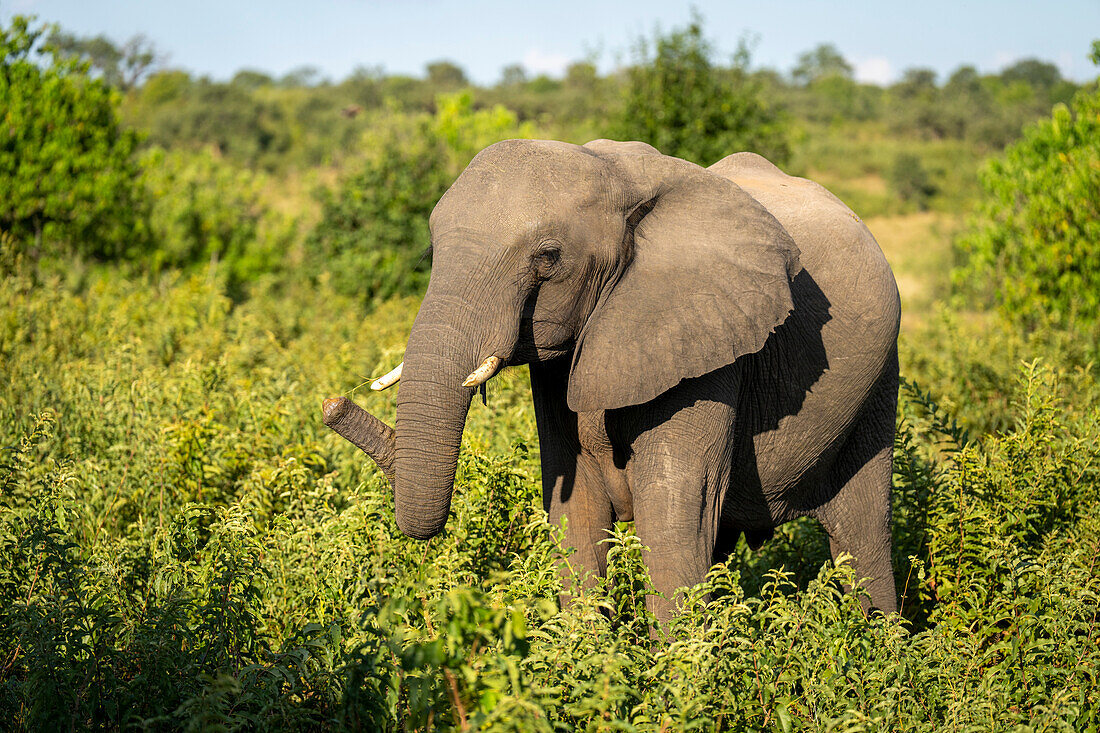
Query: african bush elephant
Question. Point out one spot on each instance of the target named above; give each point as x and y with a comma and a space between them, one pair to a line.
712, 351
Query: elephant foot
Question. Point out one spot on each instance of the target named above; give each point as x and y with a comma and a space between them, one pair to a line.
363, 430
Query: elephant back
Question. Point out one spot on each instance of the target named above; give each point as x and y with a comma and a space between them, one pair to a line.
837, 249
841, 339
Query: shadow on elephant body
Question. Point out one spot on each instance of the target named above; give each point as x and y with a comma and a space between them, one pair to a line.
792, 361
768, 386
760, 390
778, 379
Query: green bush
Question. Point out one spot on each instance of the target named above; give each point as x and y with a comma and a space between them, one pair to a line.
971, 361
373, 238
1031, 248
183, 545
67, 172
206, 211
373, 234
678, 102
911, 181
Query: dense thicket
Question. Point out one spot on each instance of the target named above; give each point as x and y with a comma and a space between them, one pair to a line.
678, 102
67, 171
183, 545
1032, 246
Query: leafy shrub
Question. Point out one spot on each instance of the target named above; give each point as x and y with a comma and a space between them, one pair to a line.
911, 181
971, 362
206, 211
67, 173
677, 101
373, 235
1031, 249
173, 110
182, 544
373, 232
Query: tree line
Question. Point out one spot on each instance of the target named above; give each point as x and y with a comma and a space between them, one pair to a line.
303, 118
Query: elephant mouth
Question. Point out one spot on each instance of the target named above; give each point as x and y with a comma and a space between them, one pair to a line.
536, 344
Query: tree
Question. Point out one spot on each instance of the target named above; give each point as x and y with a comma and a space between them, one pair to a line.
964, 81
166, 86
916, 83
251, 79
67, 171
512, 75
1032, 249
677, 102
203, 209
446, 75
302, 76
363, 86
1040, 75
819, 63
911, 182
373, 237
123, 67
581, 75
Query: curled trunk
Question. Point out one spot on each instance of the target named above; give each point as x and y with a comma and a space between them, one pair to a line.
431, 415
363, 430
455, 345
422, 471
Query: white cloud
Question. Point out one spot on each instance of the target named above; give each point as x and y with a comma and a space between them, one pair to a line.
1066, 65
21, 7
1001, 59
874, 70
552, 64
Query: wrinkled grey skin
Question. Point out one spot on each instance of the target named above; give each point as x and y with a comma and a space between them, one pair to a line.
712, 351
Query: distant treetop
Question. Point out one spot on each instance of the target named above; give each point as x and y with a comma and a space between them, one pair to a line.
820, 62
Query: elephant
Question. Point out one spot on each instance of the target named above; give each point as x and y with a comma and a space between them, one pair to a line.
712, 351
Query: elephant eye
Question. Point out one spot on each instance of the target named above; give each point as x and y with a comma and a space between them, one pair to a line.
545, 259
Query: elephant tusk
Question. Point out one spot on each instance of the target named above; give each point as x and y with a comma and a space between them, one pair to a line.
481, 375
387, 380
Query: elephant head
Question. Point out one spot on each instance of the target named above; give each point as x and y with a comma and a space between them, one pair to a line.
643, 269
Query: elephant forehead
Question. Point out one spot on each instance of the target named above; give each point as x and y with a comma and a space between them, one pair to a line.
507, 229
515, 207
535, 158
515, 171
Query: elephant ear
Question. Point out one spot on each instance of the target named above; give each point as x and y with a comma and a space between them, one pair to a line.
708, 281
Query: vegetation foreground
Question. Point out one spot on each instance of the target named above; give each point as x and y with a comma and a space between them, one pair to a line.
183, 545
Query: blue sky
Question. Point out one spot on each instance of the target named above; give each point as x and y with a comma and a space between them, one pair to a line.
880, 39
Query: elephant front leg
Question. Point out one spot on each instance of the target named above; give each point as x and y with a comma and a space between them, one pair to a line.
572, 481
676, 517
678, 472
580, 498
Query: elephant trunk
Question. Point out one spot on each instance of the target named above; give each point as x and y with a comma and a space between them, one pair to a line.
449, 340
420, 457
363, 430
431, 415
455, 345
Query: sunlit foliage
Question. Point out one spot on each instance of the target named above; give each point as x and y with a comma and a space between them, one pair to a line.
1032, 247
67, 174
677, 101
372, 239
185, 543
